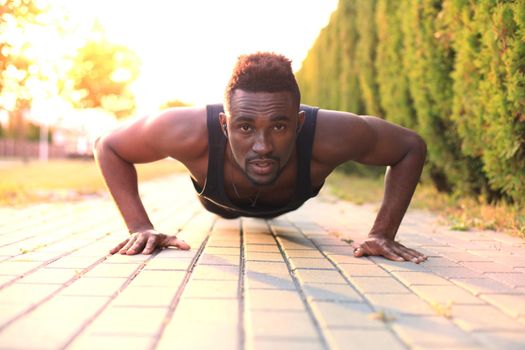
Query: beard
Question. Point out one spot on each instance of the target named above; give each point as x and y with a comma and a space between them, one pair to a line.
262, 179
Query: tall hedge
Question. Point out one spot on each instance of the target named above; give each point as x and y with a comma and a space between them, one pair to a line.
427, 61
331, 62
365, 56
453, 70
394, 95
489, 87
346, 27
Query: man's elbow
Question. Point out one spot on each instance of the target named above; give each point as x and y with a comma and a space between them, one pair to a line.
100, 146
97, 145
418, 146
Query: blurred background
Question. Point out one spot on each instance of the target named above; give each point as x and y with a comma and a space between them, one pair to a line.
70, 68
453, 70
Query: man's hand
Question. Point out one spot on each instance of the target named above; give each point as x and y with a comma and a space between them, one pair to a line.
390, 249
147, 241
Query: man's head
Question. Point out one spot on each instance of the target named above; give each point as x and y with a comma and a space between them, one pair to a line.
262, 116
262, 72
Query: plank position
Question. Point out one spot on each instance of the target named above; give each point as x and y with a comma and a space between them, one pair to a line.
261, 154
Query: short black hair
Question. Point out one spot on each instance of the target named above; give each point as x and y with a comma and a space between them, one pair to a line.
262, 72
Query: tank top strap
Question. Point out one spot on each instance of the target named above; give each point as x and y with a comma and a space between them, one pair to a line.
304, 144
213, 195
216, 144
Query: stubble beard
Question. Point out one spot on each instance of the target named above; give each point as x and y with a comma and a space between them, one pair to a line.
253, 179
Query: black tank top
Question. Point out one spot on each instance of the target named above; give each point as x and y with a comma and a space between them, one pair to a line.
213, 195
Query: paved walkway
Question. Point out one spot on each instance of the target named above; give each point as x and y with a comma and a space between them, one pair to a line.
288, 283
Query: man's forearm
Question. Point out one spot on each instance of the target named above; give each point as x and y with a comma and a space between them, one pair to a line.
400, 182
121, 180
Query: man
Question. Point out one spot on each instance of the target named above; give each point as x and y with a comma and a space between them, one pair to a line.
262, 156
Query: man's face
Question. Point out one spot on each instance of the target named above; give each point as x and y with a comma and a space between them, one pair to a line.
262, 128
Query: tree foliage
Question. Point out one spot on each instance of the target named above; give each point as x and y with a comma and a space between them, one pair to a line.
102, 73
174, 103
96, 74
489, 87
453, 70
14, 66
394, 95
365, 52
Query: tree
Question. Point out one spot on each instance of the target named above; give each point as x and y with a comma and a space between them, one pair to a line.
489, 84
394, 94
102, 73
14, 15
174, 103
14, 66
366, 55
453, 70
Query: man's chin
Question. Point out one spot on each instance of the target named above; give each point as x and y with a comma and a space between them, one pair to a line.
262, 181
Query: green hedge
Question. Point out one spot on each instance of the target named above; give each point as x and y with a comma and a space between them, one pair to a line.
453, 70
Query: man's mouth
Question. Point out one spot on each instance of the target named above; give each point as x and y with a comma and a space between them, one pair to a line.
262, 166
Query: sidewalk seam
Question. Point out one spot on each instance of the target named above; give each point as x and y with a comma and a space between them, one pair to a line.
50, 296
110, 299
242, 272
175, 301
387, 325
299, 289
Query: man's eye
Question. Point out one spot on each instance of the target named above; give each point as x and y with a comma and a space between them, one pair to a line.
279, 127
245, 127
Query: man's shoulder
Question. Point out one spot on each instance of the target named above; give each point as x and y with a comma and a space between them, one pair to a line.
182, 131
181, 123
332, 124
330, 115
337, 134
185, 115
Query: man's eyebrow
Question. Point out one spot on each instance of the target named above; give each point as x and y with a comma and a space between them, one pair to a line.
244, 118
248, 118
279, 118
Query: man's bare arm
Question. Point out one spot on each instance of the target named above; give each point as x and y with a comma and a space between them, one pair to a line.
145, 140
121, 180
373, 141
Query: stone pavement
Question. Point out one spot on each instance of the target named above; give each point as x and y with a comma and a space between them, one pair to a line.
287, 283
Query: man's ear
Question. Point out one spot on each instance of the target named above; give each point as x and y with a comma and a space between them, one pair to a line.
224, 126
300, 121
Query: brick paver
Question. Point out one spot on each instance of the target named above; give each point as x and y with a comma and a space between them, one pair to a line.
287, 283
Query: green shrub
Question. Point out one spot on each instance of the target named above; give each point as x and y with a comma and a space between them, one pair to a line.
453, 70
394, 94
489, 89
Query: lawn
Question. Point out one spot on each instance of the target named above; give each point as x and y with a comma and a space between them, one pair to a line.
35, 181
354, 188
459, 213
26, 183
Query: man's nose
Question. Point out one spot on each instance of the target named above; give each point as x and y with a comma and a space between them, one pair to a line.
262, 144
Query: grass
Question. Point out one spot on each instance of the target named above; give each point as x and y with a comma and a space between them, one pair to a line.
356, 189
35, 181
25, 183
461, 214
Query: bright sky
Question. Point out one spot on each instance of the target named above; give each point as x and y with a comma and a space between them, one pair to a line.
188, 48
